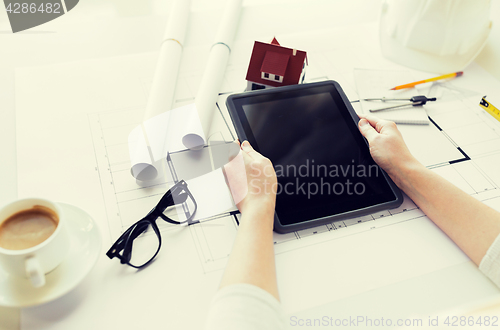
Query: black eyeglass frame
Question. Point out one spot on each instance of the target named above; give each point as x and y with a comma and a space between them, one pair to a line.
122, 248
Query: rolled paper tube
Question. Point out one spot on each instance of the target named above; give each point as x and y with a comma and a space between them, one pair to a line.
145, 164
150, 141
213, 75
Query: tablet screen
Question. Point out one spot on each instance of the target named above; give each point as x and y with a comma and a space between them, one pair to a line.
322, 163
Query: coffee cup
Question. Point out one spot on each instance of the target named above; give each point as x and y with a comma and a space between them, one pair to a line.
34, 239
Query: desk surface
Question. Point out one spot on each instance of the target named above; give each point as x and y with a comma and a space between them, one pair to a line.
106, 28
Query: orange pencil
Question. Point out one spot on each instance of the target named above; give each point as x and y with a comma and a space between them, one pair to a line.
445, 76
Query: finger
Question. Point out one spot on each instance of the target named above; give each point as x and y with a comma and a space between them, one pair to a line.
249, 150
247, 158
253, 155
367, 130
236, 177
373, 120
379, 124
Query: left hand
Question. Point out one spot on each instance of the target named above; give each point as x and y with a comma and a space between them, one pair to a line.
251, 179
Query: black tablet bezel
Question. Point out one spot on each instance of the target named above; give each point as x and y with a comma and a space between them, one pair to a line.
245, 133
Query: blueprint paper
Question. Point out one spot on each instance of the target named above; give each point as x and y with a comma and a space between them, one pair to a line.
93, 158
377, 84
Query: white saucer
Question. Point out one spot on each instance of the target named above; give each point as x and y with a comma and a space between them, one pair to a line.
84, 251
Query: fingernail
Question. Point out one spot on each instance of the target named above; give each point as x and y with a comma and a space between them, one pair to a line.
363, 122
246, 145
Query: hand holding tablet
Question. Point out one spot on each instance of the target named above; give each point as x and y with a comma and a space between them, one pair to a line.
387, 146
324, 168
251, 179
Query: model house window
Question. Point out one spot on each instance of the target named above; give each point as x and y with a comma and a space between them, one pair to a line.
272, 77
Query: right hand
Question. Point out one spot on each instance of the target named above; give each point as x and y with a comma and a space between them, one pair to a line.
387, 146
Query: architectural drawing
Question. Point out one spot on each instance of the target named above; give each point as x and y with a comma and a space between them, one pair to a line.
126, 202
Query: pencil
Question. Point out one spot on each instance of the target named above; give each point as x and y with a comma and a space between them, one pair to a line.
445, 76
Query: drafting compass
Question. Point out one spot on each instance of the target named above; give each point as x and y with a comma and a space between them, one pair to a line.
414, 101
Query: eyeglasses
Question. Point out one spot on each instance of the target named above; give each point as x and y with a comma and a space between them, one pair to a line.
140, 243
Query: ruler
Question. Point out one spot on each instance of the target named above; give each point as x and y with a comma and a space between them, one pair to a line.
490, 108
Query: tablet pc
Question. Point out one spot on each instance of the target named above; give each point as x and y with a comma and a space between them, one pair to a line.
323, 164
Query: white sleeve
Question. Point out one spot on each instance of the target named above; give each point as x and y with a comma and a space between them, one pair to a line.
490, 265
245, 307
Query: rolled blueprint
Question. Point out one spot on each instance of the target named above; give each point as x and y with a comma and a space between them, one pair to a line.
158, 135
145, 151
214, 74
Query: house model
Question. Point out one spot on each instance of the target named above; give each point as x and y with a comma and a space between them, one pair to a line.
272, 65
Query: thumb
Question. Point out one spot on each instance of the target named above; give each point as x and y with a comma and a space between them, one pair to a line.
367, 130
235, 176
248, 149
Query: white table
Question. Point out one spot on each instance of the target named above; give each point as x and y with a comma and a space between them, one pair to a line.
103, 28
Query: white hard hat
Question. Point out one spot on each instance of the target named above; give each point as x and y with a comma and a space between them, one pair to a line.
439, 36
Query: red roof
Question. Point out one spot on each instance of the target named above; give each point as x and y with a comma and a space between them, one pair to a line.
273, 57
275, 63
